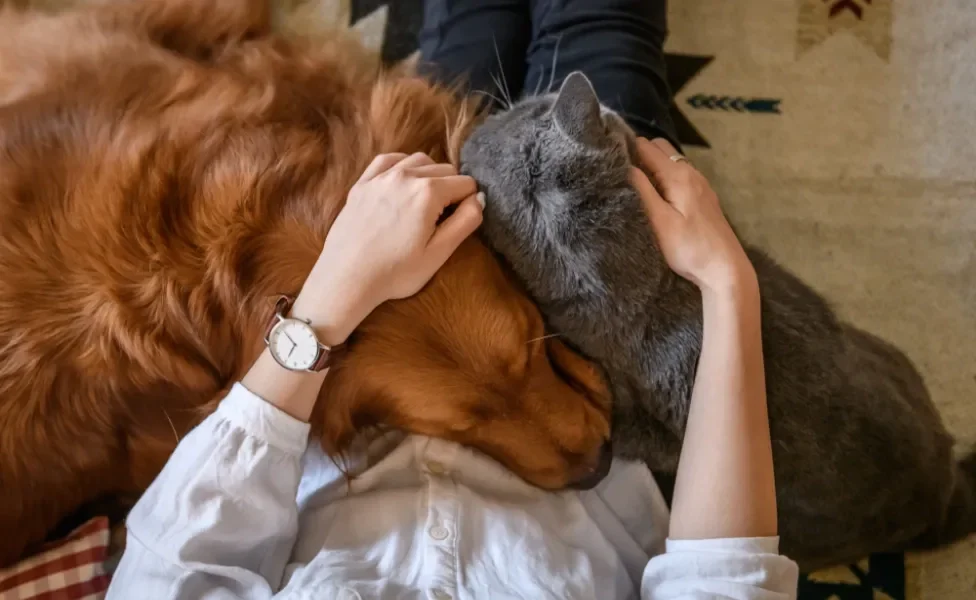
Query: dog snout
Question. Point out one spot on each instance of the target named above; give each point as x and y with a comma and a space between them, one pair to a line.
598, 471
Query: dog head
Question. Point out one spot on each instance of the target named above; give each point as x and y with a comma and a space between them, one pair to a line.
468, 359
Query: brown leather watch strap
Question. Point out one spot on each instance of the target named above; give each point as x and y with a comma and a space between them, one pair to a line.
281, 308
326, 353
324, 360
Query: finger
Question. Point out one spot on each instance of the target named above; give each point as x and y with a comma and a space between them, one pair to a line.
692, 180
676, 157
417, 159
666, 147
381, 164
659, 210
435, 170
656, 161
454, 230
450, 190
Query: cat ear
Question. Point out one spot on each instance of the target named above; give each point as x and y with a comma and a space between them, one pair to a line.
577, 110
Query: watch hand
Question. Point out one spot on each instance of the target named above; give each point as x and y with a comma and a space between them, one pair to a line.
290, 352
289, 338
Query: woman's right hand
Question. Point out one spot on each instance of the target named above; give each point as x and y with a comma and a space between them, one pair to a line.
693, 233
387, 242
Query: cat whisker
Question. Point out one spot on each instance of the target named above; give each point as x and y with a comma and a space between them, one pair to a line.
543, 337
506, 92
505, 103
172, 426
624, 114
490, 95
552, 73
538, 85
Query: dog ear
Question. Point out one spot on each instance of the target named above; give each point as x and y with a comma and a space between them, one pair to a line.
190, 27
579, 373
409, 115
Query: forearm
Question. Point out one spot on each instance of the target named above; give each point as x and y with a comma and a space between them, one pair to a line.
725, 484
293, 392
333, 312
237, 475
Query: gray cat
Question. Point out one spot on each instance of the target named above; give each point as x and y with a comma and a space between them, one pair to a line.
863, 462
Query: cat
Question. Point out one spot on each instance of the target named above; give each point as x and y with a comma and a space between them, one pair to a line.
863, 462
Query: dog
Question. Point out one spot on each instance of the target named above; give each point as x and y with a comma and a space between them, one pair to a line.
167, 167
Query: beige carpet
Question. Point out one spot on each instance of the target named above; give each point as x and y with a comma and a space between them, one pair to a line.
865, 184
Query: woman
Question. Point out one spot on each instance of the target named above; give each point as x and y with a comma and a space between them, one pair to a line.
246, 509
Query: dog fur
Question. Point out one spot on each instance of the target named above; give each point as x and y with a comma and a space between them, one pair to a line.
167, 167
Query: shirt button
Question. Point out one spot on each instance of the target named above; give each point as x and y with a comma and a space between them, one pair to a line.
436, 468
440, 595
439, 533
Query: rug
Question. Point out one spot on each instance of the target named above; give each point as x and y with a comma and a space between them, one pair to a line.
838, 134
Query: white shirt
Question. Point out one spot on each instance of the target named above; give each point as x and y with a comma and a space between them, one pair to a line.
247, 509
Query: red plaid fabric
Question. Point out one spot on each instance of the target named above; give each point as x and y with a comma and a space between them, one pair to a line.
69, 569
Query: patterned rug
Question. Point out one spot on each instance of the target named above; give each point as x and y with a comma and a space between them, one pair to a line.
839, 134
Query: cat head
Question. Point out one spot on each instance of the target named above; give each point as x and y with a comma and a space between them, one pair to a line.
560, 208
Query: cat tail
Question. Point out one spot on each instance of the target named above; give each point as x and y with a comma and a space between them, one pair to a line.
960, 516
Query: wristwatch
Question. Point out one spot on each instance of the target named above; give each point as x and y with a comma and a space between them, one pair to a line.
293, 343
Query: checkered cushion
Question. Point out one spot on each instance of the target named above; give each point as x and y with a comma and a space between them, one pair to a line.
69, 569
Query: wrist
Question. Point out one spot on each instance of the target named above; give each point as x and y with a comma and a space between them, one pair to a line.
332, 308
293, 392
736, 284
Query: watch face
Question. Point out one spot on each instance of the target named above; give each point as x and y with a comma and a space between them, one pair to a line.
293, 344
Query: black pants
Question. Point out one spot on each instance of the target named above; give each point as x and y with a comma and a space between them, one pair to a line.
529, 46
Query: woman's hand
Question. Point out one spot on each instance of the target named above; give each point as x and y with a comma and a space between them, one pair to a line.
386, 242
694, 235
725, 484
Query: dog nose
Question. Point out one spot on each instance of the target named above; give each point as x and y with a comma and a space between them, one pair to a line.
600, 470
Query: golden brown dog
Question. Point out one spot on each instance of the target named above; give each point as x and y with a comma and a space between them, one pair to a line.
166, 168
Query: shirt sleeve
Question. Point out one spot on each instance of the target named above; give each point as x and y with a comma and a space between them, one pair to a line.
220, 521
727, 569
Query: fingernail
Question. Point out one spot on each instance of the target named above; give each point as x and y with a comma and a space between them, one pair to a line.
481, 199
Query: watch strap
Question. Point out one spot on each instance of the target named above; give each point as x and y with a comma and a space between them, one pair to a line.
326, 354
282, 306
324, 359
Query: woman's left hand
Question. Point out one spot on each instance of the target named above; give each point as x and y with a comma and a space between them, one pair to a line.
693, 233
